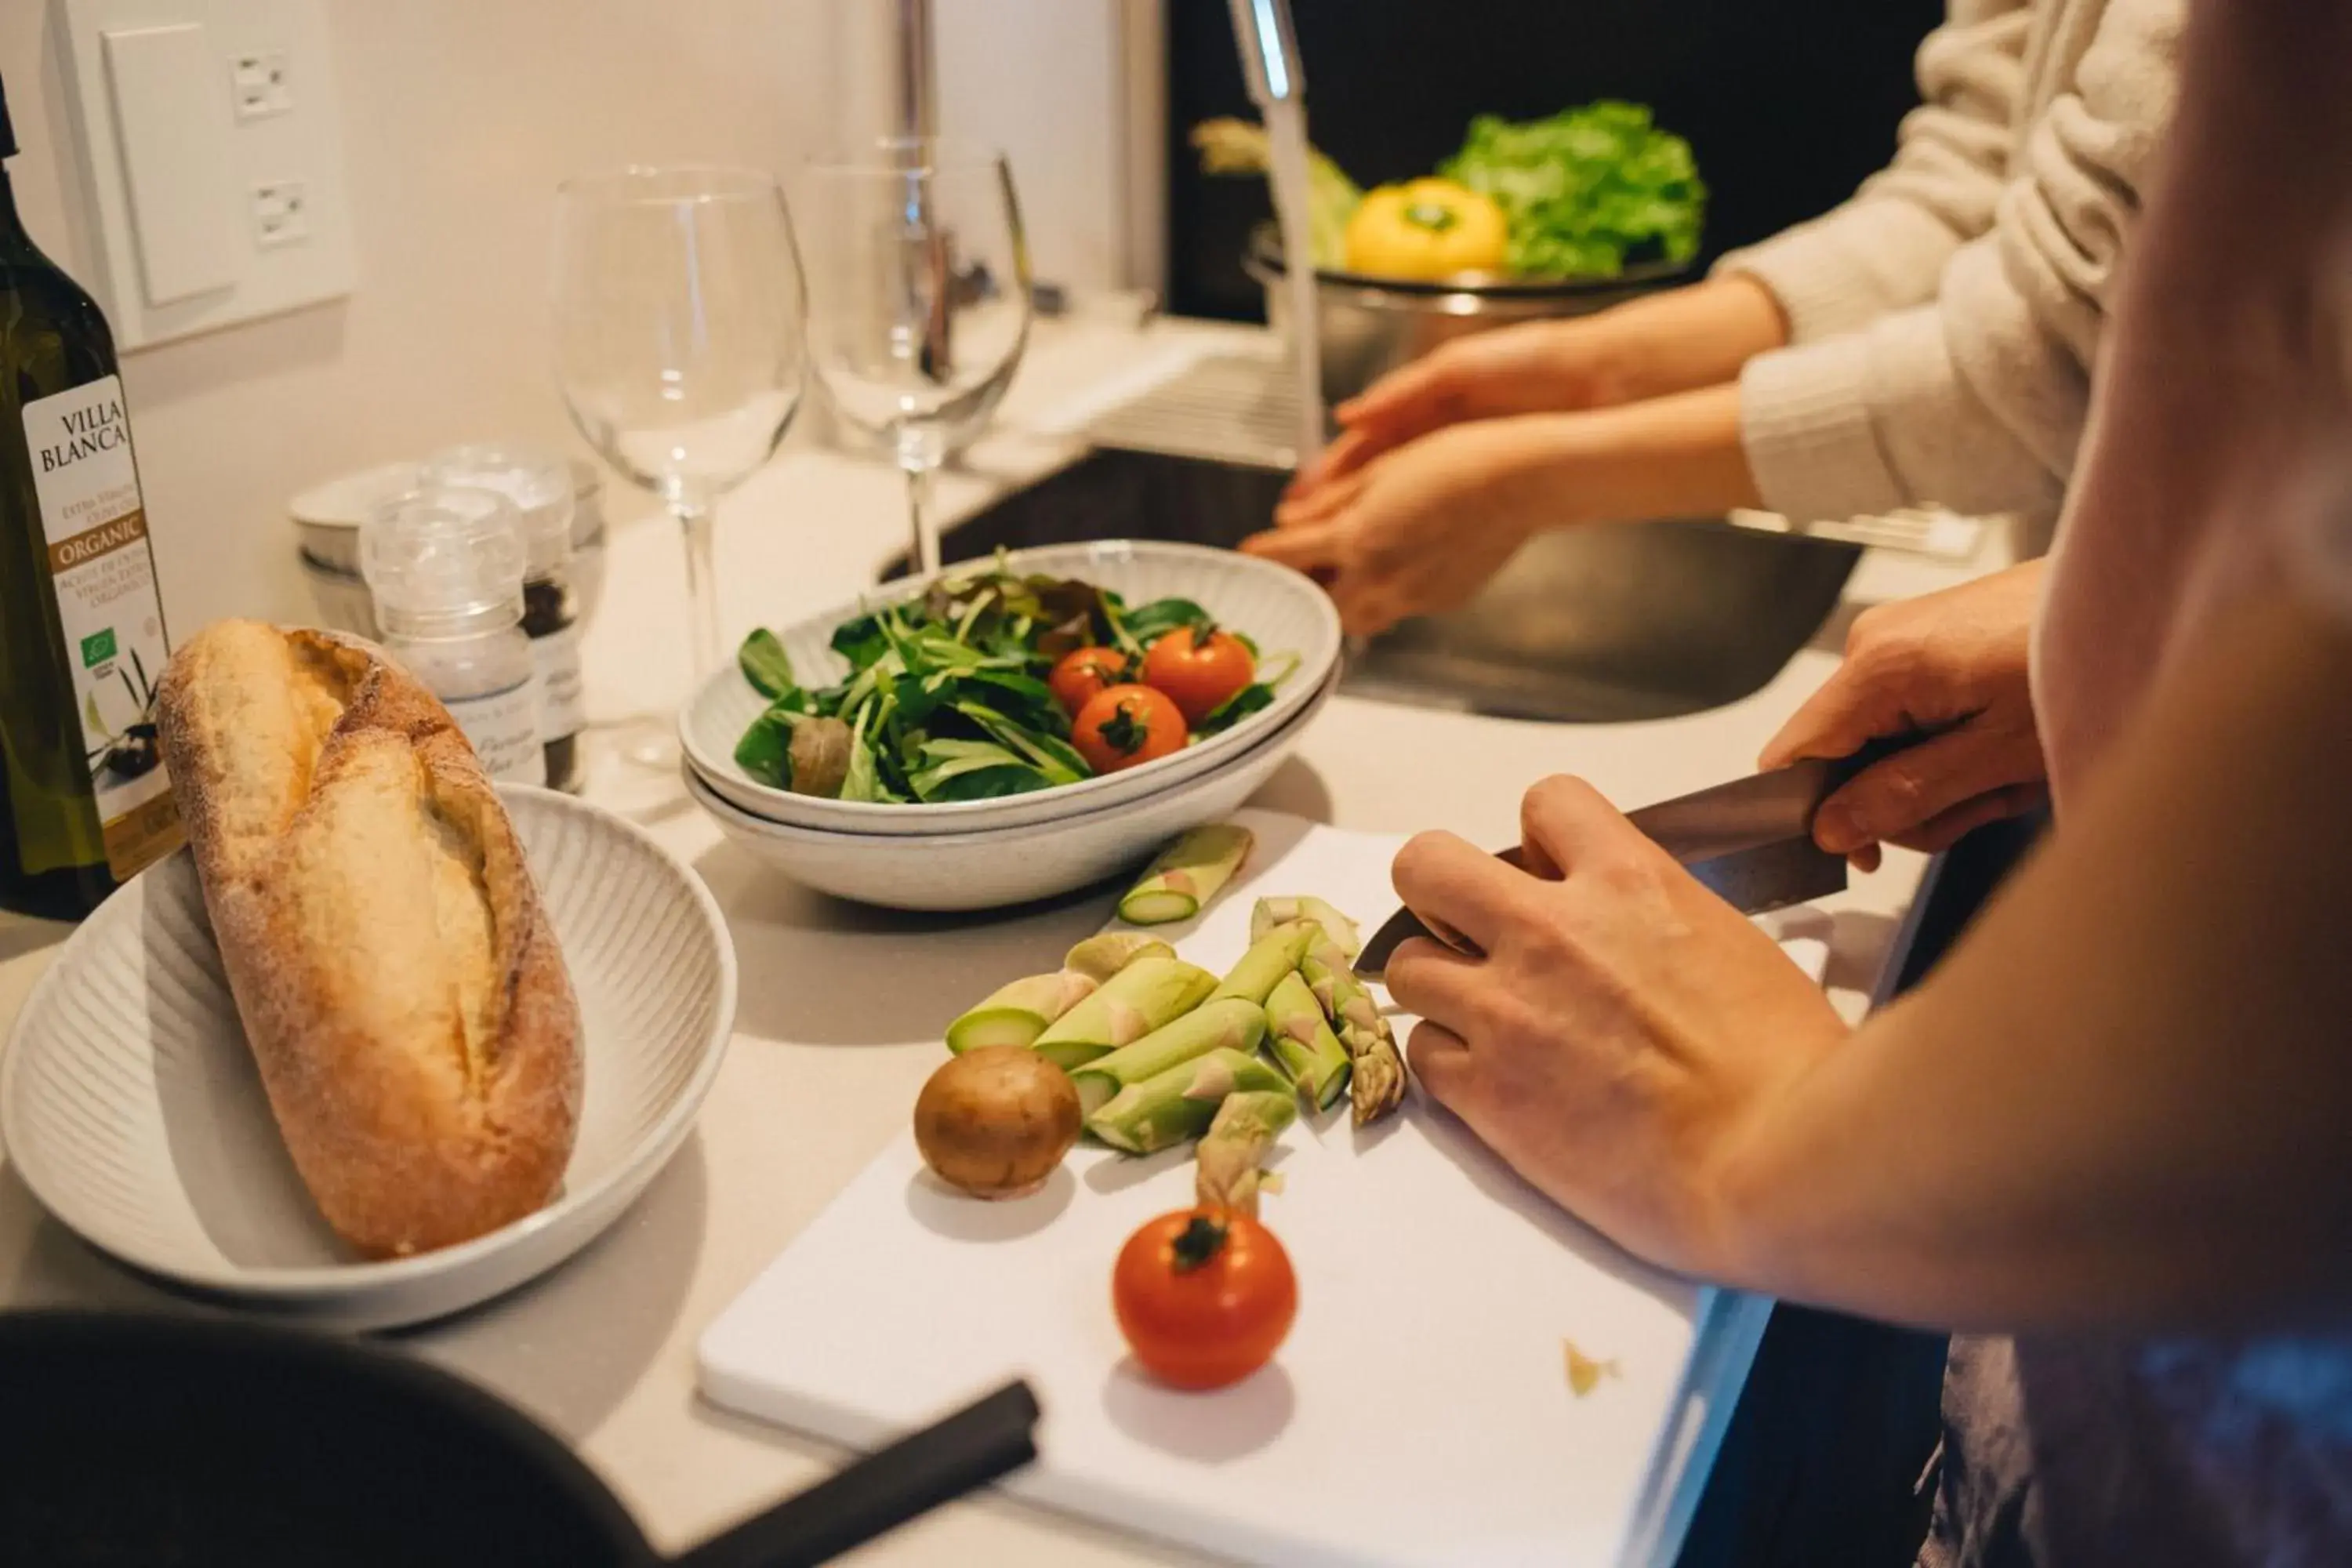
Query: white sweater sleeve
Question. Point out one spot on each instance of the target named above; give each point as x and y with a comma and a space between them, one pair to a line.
1884, 248
1977, 398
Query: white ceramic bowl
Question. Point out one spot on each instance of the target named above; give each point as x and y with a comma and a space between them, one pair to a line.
327, 517
1279, 609
998, 867
341, 600
130, 1104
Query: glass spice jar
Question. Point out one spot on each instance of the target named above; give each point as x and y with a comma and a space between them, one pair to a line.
446, 568
542, 488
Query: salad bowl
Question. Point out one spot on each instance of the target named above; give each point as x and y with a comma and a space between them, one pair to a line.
1284, 612
996, 868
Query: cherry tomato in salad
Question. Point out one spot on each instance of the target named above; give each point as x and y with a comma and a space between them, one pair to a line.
1205, 1297
1084, 671
1123, 725
1201, 673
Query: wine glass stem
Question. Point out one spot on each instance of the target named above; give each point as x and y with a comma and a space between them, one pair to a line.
694, 516
923, 519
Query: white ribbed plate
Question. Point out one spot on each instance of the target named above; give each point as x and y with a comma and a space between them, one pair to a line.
1280, 610
131, 1108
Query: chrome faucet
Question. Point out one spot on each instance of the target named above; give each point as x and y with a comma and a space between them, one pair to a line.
1277, 85
919, 71
1269, 48
926, 251
1270, 53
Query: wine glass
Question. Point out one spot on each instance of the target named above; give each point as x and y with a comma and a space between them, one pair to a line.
680, 340
918, 301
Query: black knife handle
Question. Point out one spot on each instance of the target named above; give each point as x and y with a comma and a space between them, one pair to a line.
1845, 769
984, 1440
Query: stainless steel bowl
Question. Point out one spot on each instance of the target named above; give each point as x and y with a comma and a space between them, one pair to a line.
1369, 325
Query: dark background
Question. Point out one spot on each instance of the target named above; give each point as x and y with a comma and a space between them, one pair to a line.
1787, 105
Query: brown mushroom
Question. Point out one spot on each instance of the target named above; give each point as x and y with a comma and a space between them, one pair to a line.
995, 1121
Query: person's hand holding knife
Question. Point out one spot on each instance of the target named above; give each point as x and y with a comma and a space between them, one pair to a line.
1621, 1034
1952, 666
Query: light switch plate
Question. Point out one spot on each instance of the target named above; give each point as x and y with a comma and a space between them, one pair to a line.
175, 160
209, 148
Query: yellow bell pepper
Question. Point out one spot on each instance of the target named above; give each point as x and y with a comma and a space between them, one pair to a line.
1427, 229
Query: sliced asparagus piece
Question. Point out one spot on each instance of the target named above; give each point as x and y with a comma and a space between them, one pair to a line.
1376, 1084
1178, 1105
1273, 955
1234, 1024
1017, 1014
1226, 1175
1272, 912
1187, 875
1301, 1040
1100, 957
1145, 996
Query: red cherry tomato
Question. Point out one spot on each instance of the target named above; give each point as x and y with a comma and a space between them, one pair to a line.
1204, 1297
1084, 671
1200, 673
1123, 725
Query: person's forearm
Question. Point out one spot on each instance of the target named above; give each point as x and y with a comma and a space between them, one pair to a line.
1681, 339
1670, 457
2124, 1098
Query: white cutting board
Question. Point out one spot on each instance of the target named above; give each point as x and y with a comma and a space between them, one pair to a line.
1420, 1412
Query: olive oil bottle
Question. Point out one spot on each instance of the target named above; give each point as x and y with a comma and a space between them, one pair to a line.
84, 804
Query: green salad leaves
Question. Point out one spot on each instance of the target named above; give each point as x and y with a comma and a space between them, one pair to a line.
1587, 192
946, 697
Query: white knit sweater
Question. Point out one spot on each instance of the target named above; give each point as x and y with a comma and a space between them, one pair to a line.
1945, 319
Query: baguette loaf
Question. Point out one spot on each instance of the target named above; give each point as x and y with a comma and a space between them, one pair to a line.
399, 984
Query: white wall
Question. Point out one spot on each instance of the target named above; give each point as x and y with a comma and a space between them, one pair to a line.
459, 117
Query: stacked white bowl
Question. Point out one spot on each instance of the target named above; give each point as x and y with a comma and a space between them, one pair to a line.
985, 854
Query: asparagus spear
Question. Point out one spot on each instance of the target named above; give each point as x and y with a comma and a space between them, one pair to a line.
1187, 875
1017, 1014
1235, 1024
1302, 1042
1272, 912
1226, 1165
1376, 1084
1274, 955
1145, 996
1100, 957
1163, 1112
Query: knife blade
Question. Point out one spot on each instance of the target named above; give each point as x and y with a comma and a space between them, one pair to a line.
1749, 841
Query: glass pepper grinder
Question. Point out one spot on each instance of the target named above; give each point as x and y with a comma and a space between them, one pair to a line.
445, 567
540, 487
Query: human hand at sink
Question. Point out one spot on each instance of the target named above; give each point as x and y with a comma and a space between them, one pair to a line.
1663, 343
1422, 528
1419, 530
1952, 665
1626, 1033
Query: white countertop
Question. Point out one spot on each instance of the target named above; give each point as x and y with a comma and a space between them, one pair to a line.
841, 1007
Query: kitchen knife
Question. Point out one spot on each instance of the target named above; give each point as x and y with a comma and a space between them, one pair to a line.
1750, 841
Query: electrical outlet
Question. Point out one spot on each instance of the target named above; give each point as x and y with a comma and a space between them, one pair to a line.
262, 85
282, 214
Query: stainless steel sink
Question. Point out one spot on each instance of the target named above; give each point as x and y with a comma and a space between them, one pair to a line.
1587, 625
